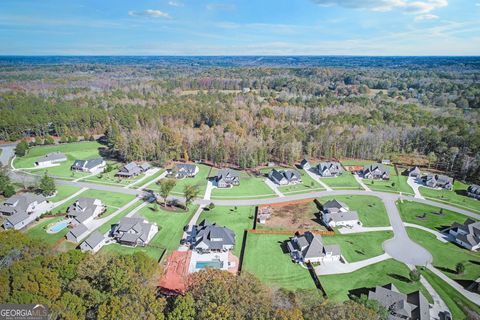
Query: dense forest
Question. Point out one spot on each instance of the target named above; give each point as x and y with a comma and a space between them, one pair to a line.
247, 111
75, 285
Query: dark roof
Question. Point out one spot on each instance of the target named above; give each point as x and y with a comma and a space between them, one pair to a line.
205, 232
52, 157
19, 203
334, 204
474, 189
89, 164
79, 230
310, 245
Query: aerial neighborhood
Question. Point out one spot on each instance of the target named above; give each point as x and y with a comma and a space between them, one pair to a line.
331, 220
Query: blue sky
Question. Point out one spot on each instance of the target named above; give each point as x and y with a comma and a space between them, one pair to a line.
235, 27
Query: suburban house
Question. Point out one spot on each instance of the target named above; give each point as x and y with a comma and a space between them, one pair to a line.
412, 306
304, 164
309, 248
50, 159
285, 177
467, 234
22, 209
375, 171
93, 243
134, 231
85, 210
438, 181
336, 213
207, 237
329, 169
132, 170
474, 191
77, 233
183, 170
227, 178
91, 166
414, 172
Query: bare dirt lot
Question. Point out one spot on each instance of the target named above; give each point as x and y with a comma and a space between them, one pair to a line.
294, 216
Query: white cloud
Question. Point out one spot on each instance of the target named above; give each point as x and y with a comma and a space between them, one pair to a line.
149, 13
175, 3
408, 6
428, 16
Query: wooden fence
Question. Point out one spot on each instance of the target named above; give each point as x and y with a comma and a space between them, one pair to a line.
290, 231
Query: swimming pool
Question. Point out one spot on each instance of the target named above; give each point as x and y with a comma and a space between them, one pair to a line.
214, 264
59, 226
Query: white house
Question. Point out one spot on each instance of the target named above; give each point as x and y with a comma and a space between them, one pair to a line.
309, 248
467, 234
336, 214
85, 210
21, 210
94, 165
50, 159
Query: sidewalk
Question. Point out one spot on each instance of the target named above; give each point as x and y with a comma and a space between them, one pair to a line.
315, 177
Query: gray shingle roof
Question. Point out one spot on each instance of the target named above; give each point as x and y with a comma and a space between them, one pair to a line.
213, 236
310, 246
78, 230
88, 164
94, 239
53, 156
19, 203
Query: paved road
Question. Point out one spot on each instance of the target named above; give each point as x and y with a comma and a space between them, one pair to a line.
401, 247
7, 154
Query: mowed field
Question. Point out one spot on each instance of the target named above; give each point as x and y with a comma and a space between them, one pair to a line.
370, 209
344, 181
238, 219
413, 212
266, 258
338, 287
200, 180
447, 255
250, 186
457, 196
73, 151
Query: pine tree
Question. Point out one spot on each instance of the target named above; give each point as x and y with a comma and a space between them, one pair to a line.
47, 185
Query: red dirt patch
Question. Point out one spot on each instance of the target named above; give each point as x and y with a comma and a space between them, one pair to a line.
353, 168
176, 272
295, 215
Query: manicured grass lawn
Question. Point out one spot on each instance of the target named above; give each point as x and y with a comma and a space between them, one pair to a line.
250, 187
39, 232
410, 210
147, 180
344, 181
378, 274
371, 210
359, 246
356, 162
447, 255
307, 185
73, 151
107, 226
399, 183
154, 253
63, 192
110, 178
265, 259
199, 180
236, 218
458, 196
457, 303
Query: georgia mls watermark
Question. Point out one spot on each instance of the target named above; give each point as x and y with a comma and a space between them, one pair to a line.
23, 312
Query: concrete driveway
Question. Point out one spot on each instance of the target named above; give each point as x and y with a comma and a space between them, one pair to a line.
8, 151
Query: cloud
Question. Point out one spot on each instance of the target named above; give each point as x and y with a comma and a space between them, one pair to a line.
221, 6
423, 17
175, 4
149, 13
408, 6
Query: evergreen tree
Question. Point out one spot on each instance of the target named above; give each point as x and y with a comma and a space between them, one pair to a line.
47, 185
21, 148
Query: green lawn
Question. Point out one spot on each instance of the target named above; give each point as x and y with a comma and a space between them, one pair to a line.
73, 151
456, 302
38, 231
265, 259
236, 218
356, 162
410, 210
148, 180
359, 246
307, 185
397, 183
378, 274
458, 196
107, 226
110, 178
344, 181
371, 210
63, 192
199, 180
152, 252
250, 187
447, 255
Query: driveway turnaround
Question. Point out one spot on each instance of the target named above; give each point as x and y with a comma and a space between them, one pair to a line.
401, 247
